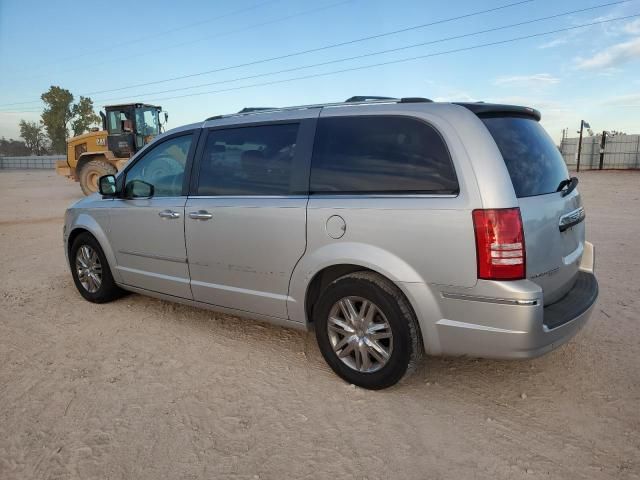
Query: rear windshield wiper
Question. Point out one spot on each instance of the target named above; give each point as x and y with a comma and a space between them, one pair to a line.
570, 183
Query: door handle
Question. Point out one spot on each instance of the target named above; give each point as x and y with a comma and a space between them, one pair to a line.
169, 214
201, 215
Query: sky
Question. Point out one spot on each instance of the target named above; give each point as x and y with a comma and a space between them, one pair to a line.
136, 53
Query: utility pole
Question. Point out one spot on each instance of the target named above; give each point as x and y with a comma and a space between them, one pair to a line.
603, 141
582, 125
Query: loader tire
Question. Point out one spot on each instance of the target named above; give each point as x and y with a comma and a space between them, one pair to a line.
91, 172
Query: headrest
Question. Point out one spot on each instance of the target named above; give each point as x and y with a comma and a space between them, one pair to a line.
251, 155
218, 149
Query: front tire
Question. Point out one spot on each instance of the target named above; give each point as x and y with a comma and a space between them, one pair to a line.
91, 172
367, 331
90, 270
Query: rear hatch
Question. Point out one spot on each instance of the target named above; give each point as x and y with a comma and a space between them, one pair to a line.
552, 219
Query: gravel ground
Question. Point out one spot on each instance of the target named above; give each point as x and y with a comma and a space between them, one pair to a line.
144, 389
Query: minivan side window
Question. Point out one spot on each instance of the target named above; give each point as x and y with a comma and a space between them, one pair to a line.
381, 154
255, 160
163, 166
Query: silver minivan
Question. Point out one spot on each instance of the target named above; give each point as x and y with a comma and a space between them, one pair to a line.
392, 227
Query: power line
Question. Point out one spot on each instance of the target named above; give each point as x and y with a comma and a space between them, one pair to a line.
402, 60
303, 52
325, 47
164, 32
20, 111
221, 34
357, 57
362, 55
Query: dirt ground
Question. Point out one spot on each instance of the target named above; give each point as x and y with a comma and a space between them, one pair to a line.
144, 389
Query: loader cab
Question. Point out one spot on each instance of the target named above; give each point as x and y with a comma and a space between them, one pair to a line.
130, 127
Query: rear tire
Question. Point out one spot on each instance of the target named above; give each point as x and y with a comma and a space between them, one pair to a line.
91, 272
91, 172
380, 343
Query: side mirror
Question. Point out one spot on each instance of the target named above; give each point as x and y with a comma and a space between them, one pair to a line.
107, 185
138, 189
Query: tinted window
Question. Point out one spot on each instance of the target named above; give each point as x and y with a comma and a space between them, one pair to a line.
163, 166
248, 161
114, 121
119, 121
380, 155
535, 165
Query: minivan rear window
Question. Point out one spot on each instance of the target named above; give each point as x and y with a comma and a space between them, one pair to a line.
380, 154
534, 162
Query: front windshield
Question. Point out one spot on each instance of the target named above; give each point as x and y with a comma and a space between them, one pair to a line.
147, 122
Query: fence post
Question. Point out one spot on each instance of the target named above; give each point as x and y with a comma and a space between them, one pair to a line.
603, 141
579, 146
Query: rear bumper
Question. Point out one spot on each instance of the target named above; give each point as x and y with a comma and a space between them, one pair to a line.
509, 319
579, 300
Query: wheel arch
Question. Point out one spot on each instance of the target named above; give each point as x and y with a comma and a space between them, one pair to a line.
320, 267
86, 224
89, 156
322, 279
325, 276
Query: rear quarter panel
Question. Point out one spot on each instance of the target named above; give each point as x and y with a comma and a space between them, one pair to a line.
407, 238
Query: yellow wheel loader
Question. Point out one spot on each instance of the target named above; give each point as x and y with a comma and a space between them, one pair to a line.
126, 129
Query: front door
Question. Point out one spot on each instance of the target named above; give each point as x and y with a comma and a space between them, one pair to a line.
148, 233
245, 224
120, 140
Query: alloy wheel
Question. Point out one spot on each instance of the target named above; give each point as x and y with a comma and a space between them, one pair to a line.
360, 334
89, 268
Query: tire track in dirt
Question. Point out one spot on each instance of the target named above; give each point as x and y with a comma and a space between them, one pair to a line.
142, 388
31, 221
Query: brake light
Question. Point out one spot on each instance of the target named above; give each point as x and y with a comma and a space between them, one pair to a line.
499, 244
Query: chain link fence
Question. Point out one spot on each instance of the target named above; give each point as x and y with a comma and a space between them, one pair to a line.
620, 151
33, 162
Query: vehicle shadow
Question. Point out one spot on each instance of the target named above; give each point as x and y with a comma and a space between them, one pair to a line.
299, 348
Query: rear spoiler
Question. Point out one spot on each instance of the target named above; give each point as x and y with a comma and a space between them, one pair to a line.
482, 109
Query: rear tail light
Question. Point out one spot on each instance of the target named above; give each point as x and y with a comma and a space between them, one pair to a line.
499, 244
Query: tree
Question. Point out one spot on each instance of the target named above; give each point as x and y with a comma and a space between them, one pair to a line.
12, 148
33, 136
56, 116
83, 116
60, 111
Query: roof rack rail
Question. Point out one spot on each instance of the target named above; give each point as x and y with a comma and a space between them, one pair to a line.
255, 109
415, 100
364, 98
357, 100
